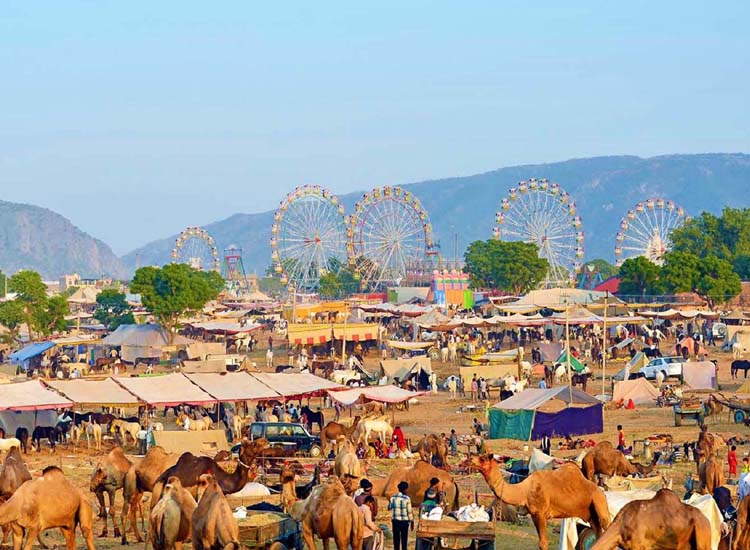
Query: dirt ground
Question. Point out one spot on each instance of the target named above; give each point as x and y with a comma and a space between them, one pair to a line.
435, 414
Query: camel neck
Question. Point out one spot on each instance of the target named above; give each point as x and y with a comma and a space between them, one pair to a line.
505, 492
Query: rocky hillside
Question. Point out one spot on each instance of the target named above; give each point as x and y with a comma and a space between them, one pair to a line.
36, 238
604, 188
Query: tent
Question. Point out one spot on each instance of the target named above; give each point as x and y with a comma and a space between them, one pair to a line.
12, 420
699, 375
744, 389
296, 385
381, 394
166, 391
232, 386
210, 365
535, 412
30, 351
94, 393
30, 396
639, 390
737, 335
550, 351
575, 364
488, 372
144, 341
85, 295
689, 343
401, 369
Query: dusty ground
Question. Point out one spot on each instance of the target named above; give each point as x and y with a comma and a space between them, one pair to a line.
437, 414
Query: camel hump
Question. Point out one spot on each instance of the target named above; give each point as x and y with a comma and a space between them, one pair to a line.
52, 471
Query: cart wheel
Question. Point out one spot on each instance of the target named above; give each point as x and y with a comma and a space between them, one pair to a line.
315, 451
586, 539
434, 354
739, 416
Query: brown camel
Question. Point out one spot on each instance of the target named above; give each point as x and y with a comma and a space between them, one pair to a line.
711, 475
288, 486
433, 446
333, 430
214, 527
347, 463
140, 479
330, 513
742, 529
548, 494
661, 522
189, 468
171, 518
604, 459
107, 478
418, 477
53, 502
12, 475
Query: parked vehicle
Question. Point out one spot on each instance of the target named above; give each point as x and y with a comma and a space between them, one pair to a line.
287, 434
670, 367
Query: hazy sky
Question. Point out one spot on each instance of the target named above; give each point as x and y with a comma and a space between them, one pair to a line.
137, 119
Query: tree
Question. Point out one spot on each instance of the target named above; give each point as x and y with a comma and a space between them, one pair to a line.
638, 276
606, 269
175, 290
113, 309
50, 316
680, 272
12, 317
509, 266
718, 282
726, 237
338, 283
3, 284
741, 266
32, 293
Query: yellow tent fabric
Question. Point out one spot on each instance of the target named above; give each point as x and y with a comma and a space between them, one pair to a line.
309, 335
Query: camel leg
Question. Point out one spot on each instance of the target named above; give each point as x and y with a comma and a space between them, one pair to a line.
18, 533
609, 540
307, 534
540, 522
31, 534
112, 497
70, 537
6, 532
102, 511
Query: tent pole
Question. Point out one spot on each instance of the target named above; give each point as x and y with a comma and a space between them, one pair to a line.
567, 352
604, 343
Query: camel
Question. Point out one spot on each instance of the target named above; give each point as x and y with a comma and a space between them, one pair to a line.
126, 428
433, 446
109, 476
52, 502
548, 494
742, 529
141, 478
347, 463
190, 467
13, 474
333, 430
661, 522
604, 459
213, 527
201, 425
418, 477
288, 476
330, 513
369, 425
171, 518
711, 474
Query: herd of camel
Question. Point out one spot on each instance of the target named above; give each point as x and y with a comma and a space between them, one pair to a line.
188, 500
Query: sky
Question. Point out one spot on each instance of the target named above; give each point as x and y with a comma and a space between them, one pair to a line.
137, 119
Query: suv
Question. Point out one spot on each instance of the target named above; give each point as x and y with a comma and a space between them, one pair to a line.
287, 434
671, 367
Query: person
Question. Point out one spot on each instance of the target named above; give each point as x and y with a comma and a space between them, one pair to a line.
620, 438
332, 455
76, 373
483, 389
365, 490
745, 466
142, 441
732, 460
543, 384
434, 488
361, 451
743, 487
186, 423
399, 438
370, 528
477, 427
452, 388
433, 383
474, 389
383, 350
402, 516
453, 442
429, 503
546, 446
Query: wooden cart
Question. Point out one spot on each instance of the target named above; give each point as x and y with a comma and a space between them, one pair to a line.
693, 412
284, 531
446, 533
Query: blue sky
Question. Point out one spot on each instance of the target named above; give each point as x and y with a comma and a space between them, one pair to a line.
161, 115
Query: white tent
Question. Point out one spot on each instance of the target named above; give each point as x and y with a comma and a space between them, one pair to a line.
144, 341
640, 390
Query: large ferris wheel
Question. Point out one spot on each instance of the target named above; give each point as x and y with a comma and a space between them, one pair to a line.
196, 248
308, 237
388, 231
646, 230
541, 212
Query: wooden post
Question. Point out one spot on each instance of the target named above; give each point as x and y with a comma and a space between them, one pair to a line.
567, 352
604, 343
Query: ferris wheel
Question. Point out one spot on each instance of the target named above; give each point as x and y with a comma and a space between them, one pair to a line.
308, 237
646, 230
388, 231
540, 212
196, 248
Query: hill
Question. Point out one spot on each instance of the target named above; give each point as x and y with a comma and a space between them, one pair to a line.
36, 238
604, 188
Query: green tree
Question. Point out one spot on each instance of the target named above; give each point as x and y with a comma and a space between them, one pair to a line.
605, 268
718, 282
509, 266
680, 272
50, 316
113, 309
271, 286
3, 284
32, 293
638, 276
338, 282
175, 290
741, 266
12, 317
726, 237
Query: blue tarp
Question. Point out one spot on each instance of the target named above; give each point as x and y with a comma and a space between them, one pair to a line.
32, 350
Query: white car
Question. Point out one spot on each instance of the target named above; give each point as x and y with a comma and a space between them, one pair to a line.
670, 367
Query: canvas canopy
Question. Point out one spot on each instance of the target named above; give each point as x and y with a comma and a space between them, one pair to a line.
575, 364
355, 332
84, 295
550, 351
232, 386
210, 365
102, 393
639, 390
309, 335
166, 391
290, 385
30, 396
699, 375
200, 350
409, 346
401, 368
148, 335
381, 394
12, 420
489, 372
32, 350
225, 327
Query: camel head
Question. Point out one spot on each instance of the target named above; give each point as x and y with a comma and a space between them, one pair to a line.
97, 479
206, 482
480, 463
249, 450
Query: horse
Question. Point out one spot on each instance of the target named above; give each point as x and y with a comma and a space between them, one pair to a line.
313, 417
581, 379
22, 435
561, 373
739, 364
737, 350
43, 432
102, 362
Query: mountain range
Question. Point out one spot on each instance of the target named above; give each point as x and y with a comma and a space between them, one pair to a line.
603, 188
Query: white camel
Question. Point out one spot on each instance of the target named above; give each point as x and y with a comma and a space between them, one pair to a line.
561, 373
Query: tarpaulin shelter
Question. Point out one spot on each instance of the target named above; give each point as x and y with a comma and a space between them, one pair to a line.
699, 375
142, 341
401, 369
689, 343
166, 391
535, 412
94, 393
488, 372
232, 386
225, 327
30, 396
309, 335
380, 394
209, 365
355, 332
431, 319
549, 350
575, 364
30, 351
12, 420
640, 390
296, 385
